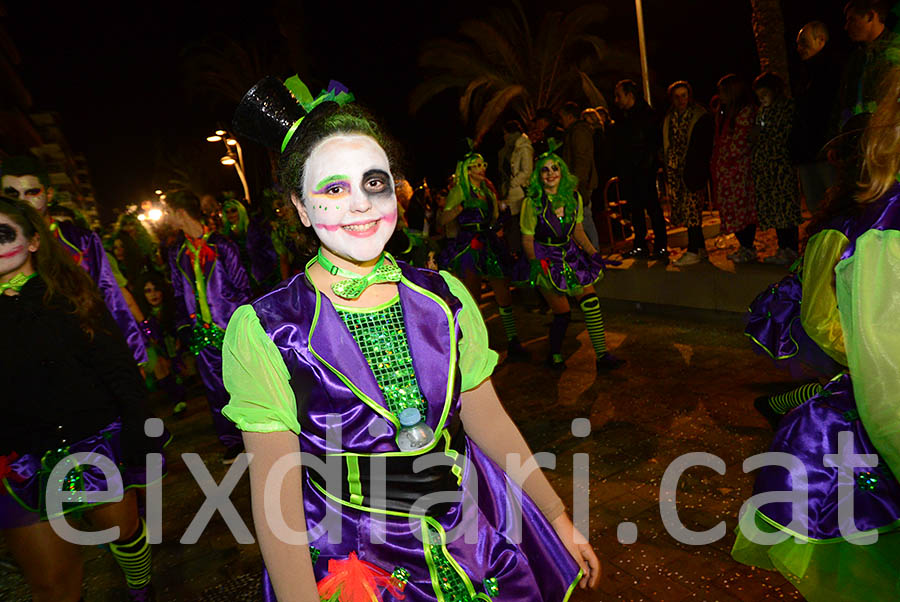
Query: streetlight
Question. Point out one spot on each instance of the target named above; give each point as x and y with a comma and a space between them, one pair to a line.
234, 157
157, 192
642, 45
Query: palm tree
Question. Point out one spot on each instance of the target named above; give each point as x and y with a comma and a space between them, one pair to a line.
502, 62
768, 29
222, 70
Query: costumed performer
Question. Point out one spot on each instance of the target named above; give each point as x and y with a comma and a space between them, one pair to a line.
254, 243
210, 283
796, 321
164, 365
370, 362
564, 262
828, 548
69, 386
474, 251
26, 179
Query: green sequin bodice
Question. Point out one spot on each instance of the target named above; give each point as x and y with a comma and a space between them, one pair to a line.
381, 336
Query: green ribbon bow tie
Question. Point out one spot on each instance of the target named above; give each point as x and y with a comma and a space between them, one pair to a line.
16, 282
355, 284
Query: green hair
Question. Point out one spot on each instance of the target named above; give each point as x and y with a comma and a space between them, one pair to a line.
568, 182
243, 220
462, 176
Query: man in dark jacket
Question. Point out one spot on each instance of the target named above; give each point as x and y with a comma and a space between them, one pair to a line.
817, 87
869, 63
636, 142
578, 153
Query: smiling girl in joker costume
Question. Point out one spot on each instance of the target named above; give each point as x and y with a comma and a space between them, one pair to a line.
359, 348
475, 252
565, 263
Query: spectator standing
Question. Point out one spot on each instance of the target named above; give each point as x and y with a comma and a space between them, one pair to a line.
774, 180
818, 86
516, 163
578, 154
636, 140
599, 121
868, 64
730, 165
687, 146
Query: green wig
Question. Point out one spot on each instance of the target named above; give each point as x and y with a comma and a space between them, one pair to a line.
568, 182
462, 176
241, 228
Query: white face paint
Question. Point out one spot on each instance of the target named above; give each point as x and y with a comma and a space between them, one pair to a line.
15, 249
26, 188
349, 197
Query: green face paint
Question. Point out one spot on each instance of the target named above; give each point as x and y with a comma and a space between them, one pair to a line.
321, 186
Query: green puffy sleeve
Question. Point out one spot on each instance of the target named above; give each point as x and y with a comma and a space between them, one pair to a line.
868, 285
121, 280
819, 313
256, 378
527, 217
476, 360
579, 212
454, 198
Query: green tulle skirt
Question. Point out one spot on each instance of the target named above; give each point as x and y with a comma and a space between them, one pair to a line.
831, 571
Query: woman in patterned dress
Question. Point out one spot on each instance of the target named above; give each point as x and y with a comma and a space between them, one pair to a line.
336, 366
774, 179
687, 144
732, 180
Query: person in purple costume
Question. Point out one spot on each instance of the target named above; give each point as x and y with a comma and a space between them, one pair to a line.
26, 179
210, 283
564, 262
69, 386
252, 238
371, 364
838, 538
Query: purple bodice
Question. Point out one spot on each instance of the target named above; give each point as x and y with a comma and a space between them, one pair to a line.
330, 376
227, 285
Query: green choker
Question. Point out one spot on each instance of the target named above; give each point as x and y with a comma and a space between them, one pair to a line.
354, 285
16, 282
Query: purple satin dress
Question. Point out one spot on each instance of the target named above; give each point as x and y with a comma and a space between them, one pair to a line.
811, 431
477, 247
335, 389
227, 288
87, 251
570, 267
773, 324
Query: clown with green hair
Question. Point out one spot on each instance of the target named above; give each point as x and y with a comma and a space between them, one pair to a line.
564, 262
476, 252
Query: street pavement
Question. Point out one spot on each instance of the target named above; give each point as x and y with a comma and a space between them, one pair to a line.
688, 386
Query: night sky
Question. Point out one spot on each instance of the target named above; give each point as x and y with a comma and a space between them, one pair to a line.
115, 71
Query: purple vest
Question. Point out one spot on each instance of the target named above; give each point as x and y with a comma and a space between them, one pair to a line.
330, 375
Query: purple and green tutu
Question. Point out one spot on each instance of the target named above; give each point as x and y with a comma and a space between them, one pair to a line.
477, 248
816, 557
25, 478
773, 324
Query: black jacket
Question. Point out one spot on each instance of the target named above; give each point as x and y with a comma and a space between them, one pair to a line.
816, 96
58, 384
637, 138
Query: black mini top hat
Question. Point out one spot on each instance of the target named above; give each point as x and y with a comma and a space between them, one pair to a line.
271, 111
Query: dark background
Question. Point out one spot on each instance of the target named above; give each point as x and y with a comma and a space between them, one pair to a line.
115, 71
